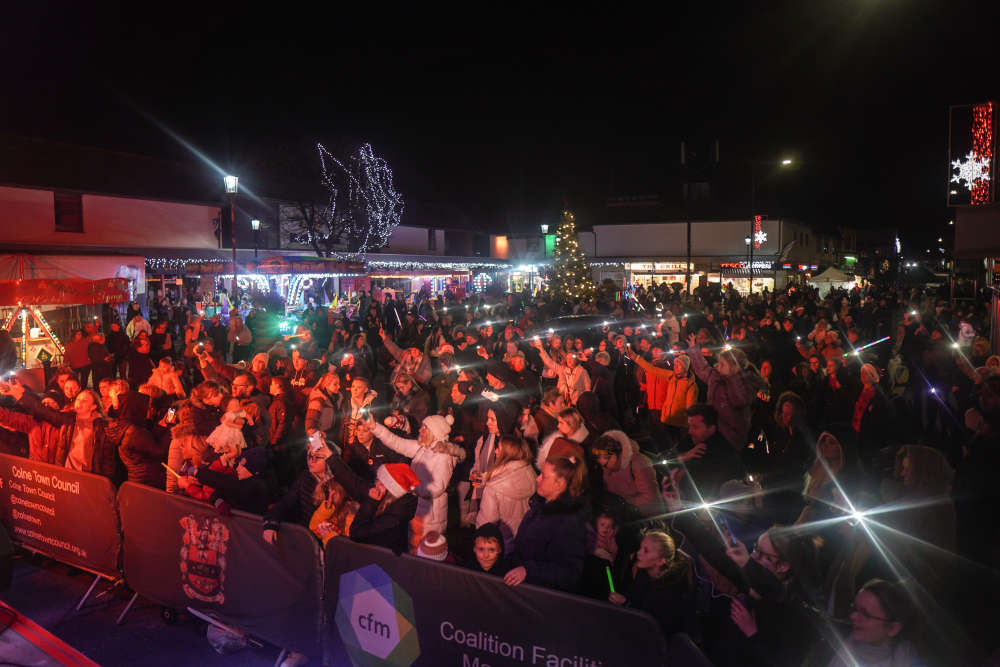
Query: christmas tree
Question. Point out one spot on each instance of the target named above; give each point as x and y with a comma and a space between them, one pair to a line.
569, 276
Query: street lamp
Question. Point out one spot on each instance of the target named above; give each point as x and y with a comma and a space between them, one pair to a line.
784, 162
232, 184
255, 226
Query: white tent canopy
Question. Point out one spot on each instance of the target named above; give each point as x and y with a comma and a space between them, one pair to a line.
832, 275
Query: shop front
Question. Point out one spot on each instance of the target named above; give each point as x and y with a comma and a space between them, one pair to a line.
644, 274
526, 277
744, 276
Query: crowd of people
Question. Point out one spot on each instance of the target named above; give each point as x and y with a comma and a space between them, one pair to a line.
777, 479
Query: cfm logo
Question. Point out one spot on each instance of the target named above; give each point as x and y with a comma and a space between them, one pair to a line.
376, 620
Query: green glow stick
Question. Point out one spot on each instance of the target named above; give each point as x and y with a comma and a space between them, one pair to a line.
611, 583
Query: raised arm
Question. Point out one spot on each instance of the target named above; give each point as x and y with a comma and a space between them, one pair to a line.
390, 345
44, 413
656, 371
699, 365
407, 448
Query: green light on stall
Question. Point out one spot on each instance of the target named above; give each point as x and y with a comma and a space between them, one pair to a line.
550, 244
849, 259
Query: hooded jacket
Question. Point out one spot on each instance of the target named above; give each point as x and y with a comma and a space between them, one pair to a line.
635, 479
675, 394
503, 565
506, 498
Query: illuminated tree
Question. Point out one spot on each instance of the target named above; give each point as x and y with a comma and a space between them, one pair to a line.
569, 276
360, 211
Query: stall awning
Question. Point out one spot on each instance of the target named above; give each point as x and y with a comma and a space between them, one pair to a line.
66, 280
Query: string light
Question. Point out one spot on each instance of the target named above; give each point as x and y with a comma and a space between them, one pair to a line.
370, 209
417, 265
570, 274
759, 235
974, 170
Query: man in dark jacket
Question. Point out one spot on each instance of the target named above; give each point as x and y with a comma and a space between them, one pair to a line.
706, 456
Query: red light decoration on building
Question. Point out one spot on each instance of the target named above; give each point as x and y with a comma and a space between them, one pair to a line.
971, 153
982, 148
758, 238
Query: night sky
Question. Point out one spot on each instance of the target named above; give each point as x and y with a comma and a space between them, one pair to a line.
513, 113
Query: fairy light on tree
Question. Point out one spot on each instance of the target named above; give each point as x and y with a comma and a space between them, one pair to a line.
569, 276
361, 210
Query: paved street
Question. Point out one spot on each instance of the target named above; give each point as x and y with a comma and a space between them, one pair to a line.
46, 592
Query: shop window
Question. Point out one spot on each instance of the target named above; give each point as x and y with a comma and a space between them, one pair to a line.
68, 212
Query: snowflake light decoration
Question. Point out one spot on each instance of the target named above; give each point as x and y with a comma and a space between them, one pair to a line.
973, 168
760, 238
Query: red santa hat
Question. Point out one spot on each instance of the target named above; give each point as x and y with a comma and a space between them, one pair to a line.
397, 478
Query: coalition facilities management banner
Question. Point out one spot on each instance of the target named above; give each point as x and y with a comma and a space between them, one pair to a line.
67, 515
384, 609
182, 553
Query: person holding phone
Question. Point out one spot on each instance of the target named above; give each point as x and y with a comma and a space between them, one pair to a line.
659, 580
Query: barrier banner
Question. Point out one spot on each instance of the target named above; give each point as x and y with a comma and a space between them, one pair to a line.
182, 553
67, 515
384, 609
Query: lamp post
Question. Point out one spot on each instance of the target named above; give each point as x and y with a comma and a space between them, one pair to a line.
784, 162
255, 226
232, 185
748, 240
531, 275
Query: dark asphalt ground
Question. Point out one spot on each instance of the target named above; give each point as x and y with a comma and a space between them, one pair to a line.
47, 592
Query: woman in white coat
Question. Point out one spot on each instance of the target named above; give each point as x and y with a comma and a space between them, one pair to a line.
432, 458
507, 488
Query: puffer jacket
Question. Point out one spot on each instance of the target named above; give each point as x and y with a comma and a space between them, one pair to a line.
551, 542
679, 393
139, 451
635, 480
433, 465
506, 498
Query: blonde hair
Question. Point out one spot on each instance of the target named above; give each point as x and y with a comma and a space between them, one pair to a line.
573, 472
510, 448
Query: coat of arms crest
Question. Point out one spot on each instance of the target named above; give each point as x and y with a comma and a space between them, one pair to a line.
203, 558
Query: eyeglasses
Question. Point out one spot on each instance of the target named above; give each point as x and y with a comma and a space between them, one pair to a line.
317, 457
855, 608
757, 551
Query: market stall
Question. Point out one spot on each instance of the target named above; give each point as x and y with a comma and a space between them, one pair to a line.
832, 279
27, 303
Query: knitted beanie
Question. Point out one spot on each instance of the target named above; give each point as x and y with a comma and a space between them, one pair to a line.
434, 546
440, 427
